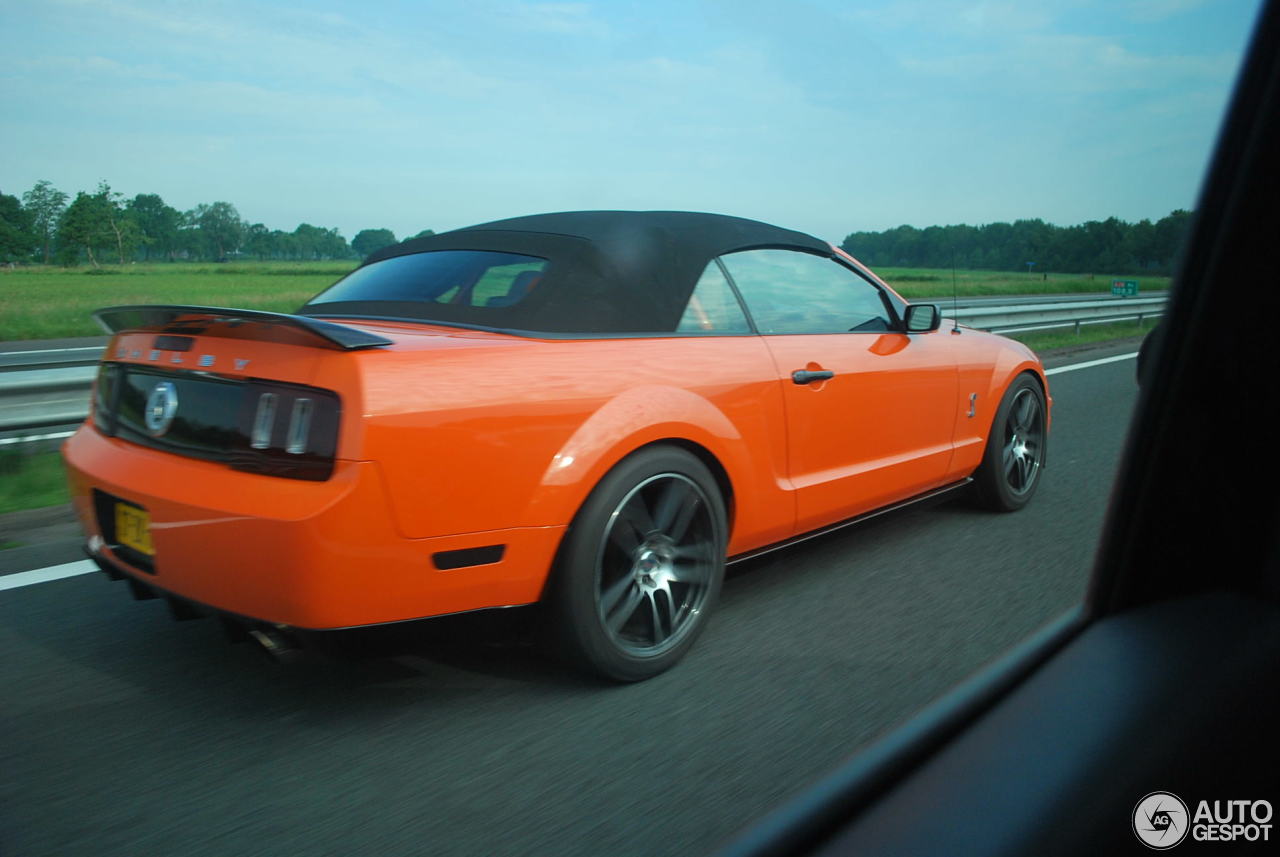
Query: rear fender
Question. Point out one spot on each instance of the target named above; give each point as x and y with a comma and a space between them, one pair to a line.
627, 422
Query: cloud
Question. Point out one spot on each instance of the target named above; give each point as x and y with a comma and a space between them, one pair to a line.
958, 16
88, 68
1158, 10
575, 19
1063, 63
181, 19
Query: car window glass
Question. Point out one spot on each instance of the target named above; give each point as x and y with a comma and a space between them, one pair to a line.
791, 292
478, 278
713, 307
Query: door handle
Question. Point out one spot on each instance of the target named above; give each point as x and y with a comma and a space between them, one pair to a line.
807, 376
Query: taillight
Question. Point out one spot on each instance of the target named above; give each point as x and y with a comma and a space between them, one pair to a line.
299, 427
264, 419
292, 430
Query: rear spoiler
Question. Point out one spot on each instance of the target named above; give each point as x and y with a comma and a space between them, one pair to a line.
198, 319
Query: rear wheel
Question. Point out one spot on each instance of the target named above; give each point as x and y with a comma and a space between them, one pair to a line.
641, 566
1011, 466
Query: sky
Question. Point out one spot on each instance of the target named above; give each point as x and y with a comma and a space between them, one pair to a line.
823, 116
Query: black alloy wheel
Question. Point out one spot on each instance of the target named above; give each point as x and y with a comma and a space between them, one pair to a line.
641, 566
1015, 453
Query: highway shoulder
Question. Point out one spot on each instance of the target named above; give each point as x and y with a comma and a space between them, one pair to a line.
44, 537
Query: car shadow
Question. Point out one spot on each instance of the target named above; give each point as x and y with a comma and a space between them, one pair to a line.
89, 639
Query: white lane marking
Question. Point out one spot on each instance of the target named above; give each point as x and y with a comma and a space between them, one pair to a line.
58, 435
1091, 363
44, 575
84, 566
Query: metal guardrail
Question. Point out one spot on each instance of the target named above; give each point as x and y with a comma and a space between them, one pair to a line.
50, 387
1044, 316
44, 388
49, 358
38, 398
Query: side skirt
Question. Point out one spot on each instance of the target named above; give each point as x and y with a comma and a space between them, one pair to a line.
935, 495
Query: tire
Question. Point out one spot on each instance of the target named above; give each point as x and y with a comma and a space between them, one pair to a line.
640, 568
1014, 458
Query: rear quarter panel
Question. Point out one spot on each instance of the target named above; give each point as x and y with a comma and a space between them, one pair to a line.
482, 431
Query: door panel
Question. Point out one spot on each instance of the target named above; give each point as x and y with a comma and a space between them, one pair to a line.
871, 416
879, 430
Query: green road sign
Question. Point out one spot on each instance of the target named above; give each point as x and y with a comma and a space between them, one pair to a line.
1124, 288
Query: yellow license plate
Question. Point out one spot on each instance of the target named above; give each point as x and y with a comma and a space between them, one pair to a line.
133, 528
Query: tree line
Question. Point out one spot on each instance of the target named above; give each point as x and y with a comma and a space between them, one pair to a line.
1110, 246
47, 225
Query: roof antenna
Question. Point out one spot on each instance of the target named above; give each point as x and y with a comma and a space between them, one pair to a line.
955, 298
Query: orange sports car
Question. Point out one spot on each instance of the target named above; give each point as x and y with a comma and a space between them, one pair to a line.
592, 410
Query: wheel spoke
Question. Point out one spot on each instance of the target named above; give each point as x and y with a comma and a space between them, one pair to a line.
664, 511
620, 616
1018, 413
1009, 459
1025, 414
699, 550
678, 526
691, 573
635, 523
661, 616
610, 597
679, 610
624, 536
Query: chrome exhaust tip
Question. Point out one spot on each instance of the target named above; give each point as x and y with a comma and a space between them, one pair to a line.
277, 643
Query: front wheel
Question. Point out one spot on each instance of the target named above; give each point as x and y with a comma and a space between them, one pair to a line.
641, 566
1014, 458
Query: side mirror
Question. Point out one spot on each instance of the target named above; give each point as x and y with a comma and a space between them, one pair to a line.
922, 318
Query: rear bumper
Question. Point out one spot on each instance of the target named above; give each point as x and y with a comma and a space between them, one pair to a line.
315, 555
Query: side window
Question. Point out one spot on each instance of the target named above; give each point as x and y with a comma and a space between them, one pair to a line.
712, 307
792, 292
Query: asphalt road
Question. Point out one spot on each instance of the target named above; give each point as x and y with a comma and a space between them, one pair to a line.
125, 733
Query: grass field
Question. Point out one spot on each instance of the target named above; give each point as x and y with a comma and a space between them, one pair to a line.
1041, 341
915, 283
49, 302
31, 480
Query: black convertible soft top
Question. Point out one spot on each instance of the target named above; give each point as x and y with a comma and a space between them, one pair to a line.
607, 272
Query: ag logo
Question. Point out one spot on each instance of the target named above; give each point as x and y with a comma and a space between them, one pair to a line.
161, 406
1160, 820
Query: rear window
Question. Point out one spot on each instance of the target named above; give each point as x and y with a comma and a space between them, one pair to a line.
455, 278
522, 283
